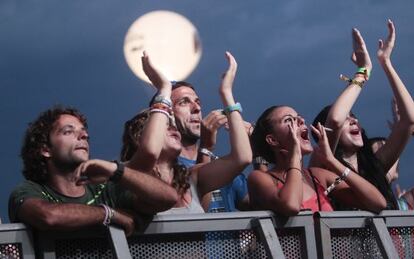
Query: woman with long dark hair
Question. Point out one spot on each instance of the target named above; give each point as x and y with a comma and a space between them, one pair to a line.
282, 138
348, 139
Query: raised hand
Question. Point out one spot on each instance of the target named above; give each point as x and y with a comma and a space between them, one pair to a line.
156, 77
293, 144
229, 75
385, 47
323, 151
95, 171
360, 55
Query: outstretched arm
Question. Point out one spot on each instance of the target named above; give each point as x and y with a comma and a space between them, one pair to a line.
403, 127
220, 172
343, 104
152, 136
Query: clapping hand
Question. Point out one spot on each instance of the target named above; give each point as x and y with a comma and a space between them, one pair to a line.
360, 55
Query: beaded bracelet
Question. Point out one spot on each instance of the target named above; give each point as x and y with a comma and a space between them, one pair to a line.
338, 181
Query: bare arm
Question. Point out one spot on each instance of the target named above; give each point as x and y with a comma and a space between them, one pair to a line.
355, 191
343, 104
264, 194
220, 172
151, 194
152, 136
402, 129
44, 215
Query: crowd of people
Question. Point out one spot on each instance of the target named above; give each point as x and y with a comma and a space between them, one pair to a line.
167, 164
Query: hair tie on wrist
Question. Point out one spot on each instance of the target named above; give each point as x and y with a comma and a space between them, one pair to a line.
109, 214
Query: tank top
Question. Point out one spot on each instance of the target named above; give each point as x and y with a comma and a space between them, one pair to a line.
317, 202
193, 207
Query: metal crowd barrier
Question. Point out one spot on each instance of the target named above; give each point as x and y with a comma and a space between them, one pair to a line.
256, 234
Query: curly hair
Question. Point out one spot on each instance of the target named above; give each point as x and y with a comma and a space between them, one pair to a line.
37, 136
130, 144
370, 167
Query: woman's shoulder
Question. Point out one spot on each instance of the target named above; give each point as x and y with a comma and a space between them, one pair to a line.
257, 176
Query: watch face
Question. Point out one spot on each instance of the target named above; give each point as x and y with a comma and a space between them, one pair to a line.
171, 41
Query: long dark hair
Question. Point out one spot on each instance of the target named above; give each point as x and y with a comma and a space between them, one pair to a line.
258, 138
370, 167
130, 144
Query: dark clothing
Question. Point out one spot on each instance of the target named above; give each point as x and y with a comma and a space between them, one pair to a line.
110, 194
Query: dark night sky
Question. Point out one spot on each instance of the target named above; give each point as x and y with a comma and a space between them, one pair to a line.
289, 52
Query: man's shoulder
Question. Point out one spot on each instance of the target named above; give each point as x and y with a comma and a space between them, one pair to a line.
27, 185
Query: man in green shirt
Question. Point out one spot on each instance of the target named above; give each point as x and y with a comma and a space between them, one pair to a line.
64, 190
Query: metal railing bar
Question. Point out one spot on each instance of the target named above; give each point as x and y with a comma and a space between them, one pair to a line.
383, 237
268, 234
119, 244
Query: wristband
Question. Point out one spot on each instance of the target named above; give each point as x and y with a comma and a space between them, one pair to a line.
162, 99
260, 161
119, 172
364, 71
338, 181
171, 118
109, 214
231, 108
352, 81
207, 152
162, 106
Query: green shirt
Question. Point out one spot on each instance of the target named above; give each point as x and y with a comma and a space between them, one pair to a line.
110, 194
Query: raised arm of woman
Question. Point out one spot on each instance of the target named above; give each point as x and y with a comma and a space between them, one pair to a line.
343, 104
403, 128
220, 172
153, 135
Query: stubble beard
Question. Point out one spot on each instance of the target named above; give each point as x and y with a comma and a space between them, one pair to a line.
68, 165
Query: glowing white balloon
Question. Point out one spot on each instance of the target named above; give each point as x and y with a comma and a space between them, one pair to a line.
171, 41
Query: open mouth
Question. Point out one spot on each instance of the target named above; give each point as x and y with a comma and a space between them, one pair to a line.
355, 132
305, 134
176, 136
195, 120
